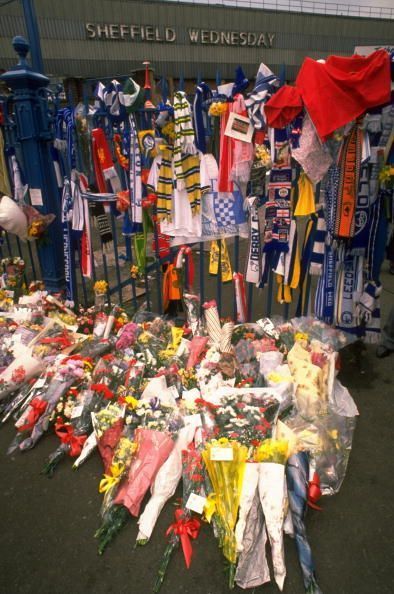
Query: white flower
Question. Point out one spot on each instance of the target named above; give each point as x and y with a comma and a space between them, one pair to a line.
157, 414
240, 422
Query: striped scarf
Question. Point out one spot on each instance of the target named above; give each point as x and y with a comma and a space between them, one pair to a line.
135, 178
288, 267
165, 185
349, 163
190, 172
319, 237
266, 81
184, 135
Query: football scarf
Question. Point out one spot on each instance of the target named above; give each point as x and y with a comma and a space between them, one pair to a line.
348, 290
349, 166
266, 81
288, 267
67, 204
319, 238
225, 264
184, 135
203, 93
362, 215
165, 185
253, 262
325, 292
135, 182
277, 213
305, 278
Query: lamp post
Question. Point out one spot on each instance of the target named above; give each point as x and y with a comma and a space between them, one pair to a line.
33, 133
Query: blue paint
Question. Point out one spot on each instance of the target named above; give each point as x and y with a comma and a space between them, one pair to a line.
33, 133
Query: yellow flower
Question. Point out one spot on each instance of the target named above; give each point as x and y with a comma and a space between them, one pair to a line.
131, 402
217, 108
100, 287
134, 271
300, 336
272, 450
223, 441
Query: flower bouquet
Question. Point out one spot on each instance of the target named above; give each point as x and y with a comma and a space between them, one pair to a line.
185, 526
13, 276
36, 418
21, 370
155, 441
225, 461
73, 430
297, 475
37, 223
165, 483
271, 457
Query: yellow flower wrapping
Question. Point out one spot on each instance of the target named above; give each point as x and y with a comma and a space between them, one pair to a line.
226, 478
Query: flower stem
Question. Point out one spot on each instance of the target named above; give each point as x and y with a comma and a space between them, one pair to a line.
164, 563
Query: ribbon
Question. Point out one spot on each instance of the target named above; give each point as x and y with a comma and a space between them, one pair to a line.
186, 528
314, 492
210, 506
65, 433
37, 408
110, 480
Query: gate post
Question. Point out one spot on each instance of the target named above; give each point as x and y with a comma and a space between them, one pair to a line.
34, 132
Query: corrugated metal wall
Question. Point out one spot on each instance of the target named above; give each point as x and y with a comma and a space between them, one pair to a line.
68, 52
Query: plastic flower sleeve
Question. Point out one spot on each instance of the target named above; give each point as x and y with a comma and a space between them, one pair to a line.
249, 488
297, 474
226, 478
212, 321
315, 329
252, 567
153, 448
88, 448
272, 490
18, 372
165, 483
331, 459
192, 306
56, 389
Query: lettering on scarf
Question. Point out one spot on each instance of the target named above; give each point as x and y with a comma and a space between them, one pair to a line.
167, 34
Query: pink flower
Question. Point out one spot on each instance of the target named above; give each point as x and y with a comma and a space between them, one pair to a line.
18, 375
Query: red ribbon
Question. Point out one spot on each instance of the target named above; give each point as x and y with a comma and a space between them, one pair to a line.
65, 433
37, 408
314, 492
185, 528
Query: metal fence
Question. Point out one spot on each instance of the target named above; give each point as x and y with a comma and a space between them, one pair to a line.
115, 267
